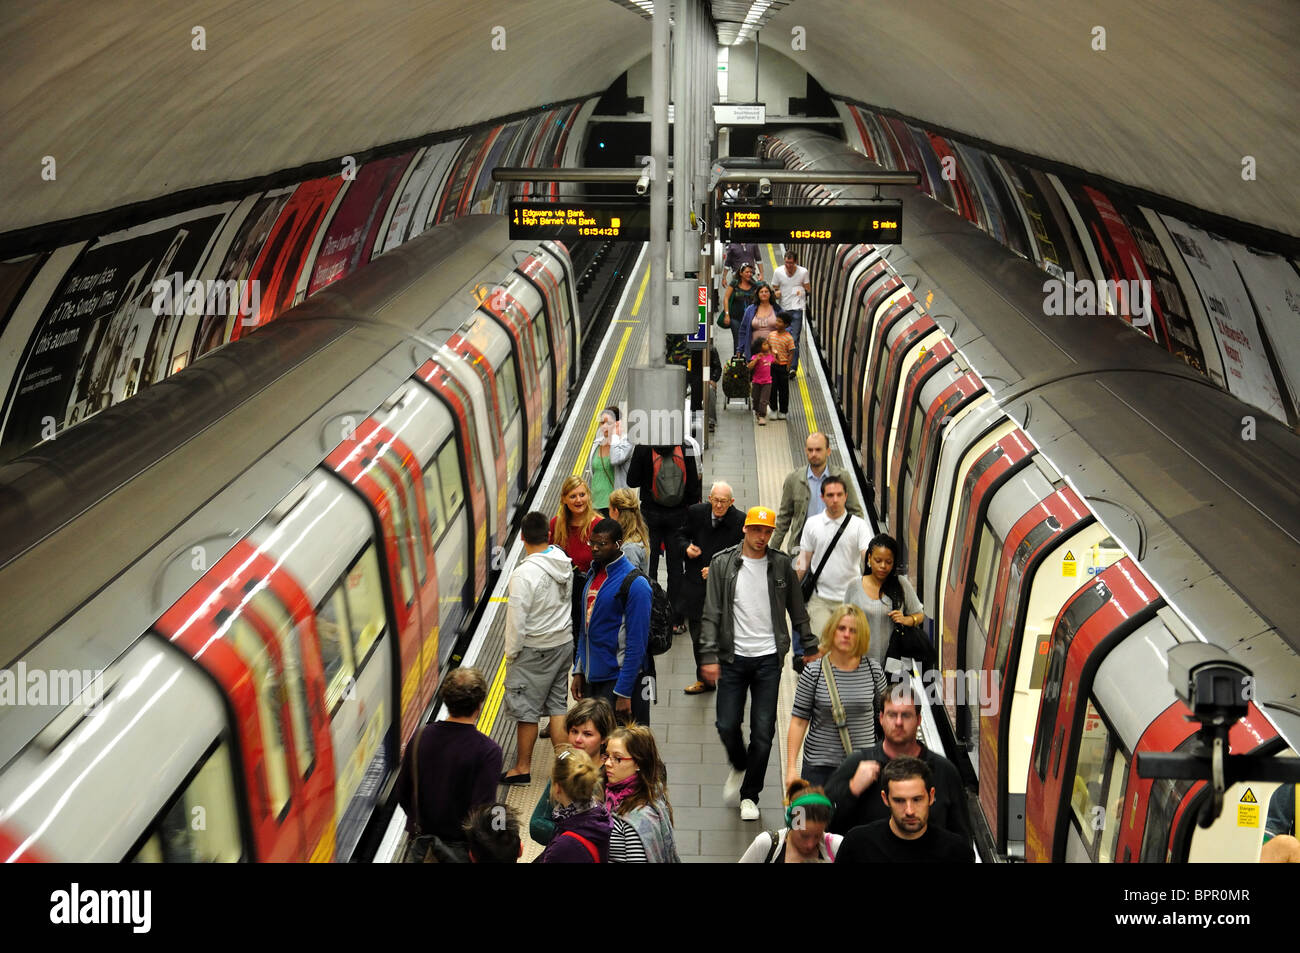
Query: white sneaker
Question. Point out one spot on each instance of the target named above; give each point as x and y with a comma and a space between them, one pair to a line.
731, 787
748, 810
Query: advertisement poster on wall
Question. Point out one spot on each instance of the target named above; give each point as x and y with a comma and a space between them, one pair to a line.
1274, 288
352, 232
279, 265
411, 213
1245, 364
100, 338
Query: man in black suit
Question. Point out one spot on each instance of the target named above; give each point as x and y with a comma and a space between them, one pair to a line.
709, 528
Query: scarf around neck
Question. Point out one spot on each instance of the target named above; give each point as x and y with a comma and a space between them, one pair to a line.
616, 792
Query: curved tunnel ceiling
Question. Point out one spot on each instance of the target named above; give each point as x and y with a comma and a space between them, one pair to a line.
114, 91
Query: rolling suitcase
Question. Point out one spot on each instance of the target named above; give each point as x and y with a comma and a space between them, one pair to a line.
735, 380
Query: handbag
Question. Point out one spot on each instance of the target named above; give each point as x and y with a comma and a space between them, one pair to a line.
809, 584
909, 642
837, 707
723, 320
419, 849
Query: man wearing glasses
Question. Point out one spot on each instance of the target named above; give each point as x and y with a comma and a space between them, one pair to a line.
709, 528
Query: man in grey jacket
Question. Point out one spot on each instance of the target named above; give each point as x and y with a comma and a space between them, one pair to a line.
743, 640
801, 494
539, 641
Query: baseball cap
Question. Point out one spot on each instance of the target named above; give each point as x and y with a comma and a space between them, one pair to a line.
760, 516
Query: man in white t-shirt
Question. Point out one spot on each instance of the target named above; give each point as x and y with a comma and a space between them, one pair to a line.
750, 591
790, 285
839, 566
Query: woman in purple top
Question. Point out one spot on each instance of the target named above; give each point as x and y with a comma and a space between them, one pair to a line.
582, 822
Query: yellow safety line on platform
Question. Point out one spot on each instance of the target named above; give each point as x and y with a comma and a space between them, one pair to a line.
581, 463
771, 254
807, 398
645, 283
493, 703
499, 599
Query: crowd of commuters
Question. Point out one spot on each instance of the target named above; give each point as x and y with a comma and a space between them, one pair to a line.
751, 585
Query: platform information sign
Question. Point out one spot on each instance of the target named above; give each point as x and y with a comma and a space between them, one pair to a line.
879, 223
570, 221
698, 336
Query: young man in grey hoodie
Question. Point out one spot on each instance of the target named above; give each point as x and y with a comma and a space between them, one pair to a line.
539, 641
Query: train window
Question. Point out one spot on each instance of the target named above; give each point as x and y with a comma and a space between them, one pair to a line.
479, 366
543, 323
985, 580
401, 533
1162, 805
365, 604
177, 836
977, 470
1041, 655
335, 645
433, 499
453, 495
1115, 789
509, 388
288, 634
1089, 776
266, 683
1011, 602
412, 511
1080, 610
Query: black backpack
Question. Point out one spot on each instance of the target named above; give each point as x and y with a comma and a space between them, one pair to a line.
661, 612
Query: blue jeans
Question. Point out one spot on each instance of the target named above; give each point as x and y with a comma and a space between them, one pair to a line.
796, 324
817, 774
761, 678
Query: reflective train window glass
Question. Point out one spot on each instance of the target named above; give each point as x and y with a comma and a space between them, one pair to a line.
977, 470
412, 510
365, 598
479, 366
274, 779
985, 580
174, 838
449, 473
537, 329
1011, 602
1115, 790
509, 388
1080, 610
1086, 794
433, 499
400, 532
335, 644
287, 633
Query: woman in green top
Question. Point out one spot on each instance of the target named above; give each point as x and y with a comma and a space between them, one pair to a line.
739, 296
611, 452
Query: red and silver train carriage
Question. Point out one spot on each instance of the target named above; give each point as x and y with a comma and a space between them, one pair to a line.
270, 588
1070, 504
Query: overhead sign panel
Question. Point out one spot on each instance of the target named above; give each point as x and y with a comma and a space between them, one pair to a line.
569, 221
740, 114
880, 223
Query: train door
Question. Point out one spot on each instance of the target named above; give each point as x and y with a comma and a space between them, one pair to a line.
866, 338
920, 337
215, 623
482, 349
923, 424
456, 397
893, 321
536, 271
369, 462
851, 317
567, 315
1007, 456
1004, 743
513, 316
1100, 614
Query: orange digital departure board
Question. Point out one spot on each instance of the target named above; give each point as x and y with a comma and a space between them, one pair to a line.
880, 223
570, 221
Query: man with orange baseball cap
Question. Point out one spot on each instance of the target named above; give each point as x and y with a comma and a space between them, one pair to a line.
743, 642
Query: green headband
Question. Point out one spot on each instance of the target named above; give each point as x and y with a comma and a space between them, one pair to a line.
802, 799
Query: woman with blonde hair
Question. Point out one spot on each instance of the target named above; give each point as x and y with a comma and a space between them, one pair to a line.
834, 699
581, 820
625, 506
571, 531
636, 790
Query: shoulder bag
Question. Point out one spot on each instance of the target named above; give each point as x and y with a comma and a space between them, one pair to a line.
809, 584
837, 707
419, 849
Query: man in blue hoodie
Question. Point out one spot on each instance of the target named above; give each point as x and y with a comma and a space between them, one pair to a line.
615, 628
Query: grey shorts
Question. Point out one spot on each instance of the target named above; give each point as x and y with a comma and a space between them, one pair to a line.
537, 682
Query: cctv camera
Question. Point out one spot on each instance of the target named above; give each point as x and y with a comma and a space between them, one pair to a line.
1213, 684
643, 185
765, 187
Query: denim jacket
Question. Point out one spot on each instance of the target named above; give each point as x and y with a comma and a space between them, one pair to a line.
717, 630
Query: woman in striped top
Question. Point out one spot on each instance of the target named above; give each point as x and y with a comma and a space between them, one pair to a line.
858, 679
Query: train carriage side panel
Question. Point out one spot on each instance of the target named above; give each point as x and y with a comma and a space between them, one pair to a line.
482, 349
892, 320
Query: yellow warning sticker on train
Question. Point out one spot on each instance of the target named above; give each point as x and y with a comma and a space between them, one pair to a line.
1069, 565
1248, 810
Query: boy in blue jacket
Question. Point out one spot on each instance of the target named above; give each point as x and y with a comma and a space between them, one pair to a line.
615, 629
